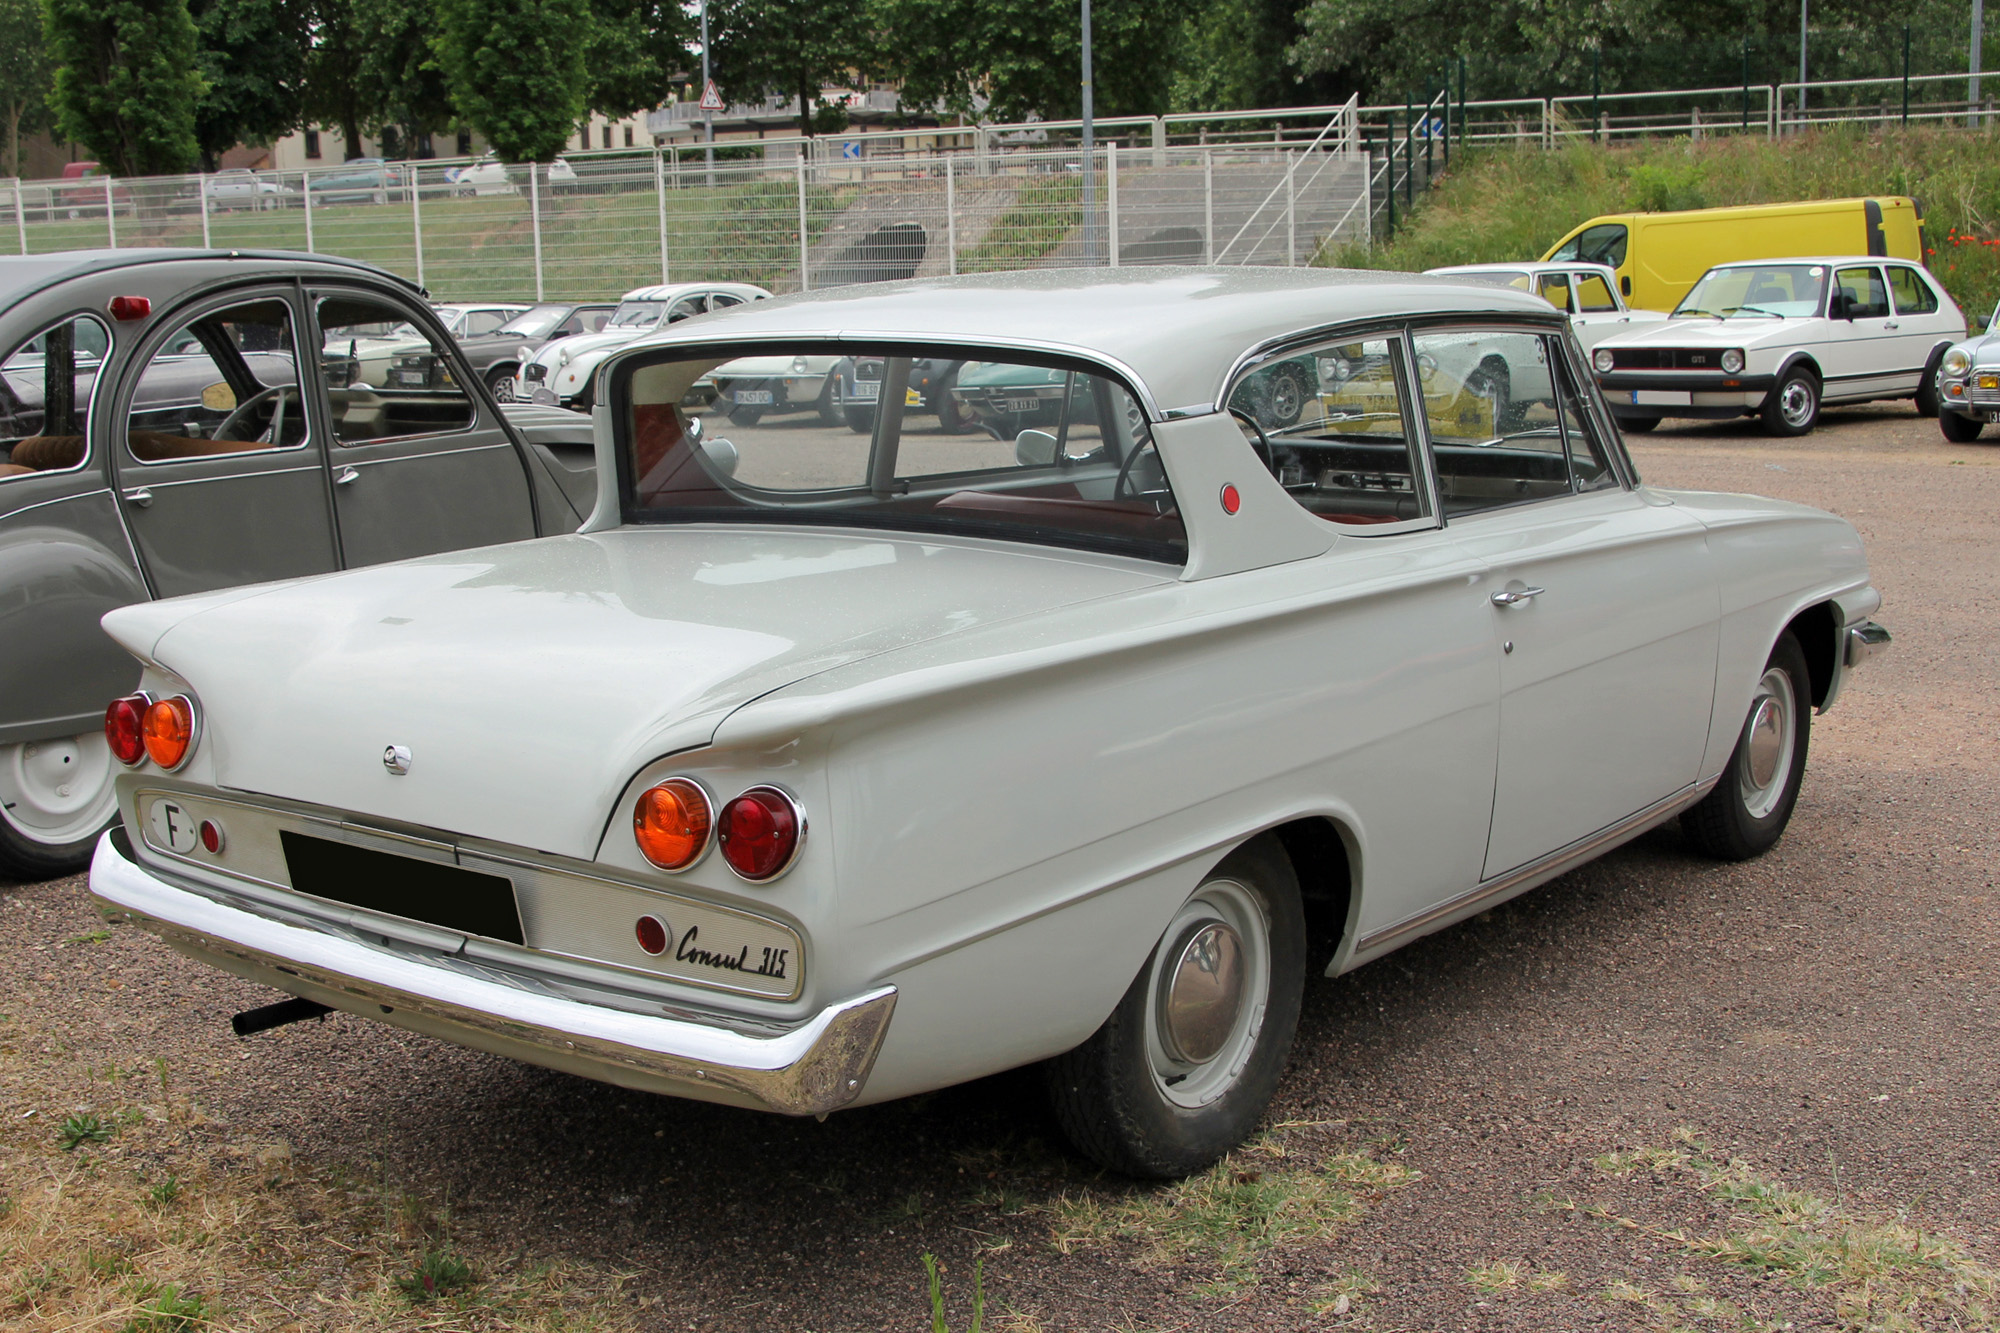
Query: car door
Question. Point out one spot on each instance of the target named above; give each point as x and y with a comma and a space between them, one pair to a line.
414, 470
1866, 354
221, 476
1601, 600
1597, 312
1919, 315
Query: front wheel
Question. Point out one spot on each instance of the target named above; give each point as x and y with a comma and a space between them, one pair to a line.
1930, 391
500, 380
828, 406
860, 420
55, 799
1182, 1070
745, 416
1958, 428
1793, 407
1746, 813
1637, 425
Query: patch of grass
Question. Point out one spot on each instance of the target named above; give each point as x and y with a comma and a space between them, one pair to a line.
1514, 203
1500, 1275
1233, 1212
1036, 224
939, 1322
168, 1309
437, 1272
77, 1130
1879, 1272
92, 937
165, 1193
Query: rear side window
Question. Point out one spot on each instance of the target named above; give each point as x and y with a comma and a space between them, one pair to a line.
1593, 294
1554, 288
1913, 295
47, 386
1006, 448
1861, 292
1335, 427
226, 382
385, 377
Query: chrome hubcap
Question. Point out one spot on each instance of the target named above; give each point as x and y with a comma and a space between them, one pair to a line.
1768, 743
1210, 983
57, 791
1797, 403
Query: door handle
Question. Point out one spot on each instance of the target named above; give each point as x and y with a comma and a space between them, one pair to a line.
347, 476
1516, 596
1891, 324
141, 497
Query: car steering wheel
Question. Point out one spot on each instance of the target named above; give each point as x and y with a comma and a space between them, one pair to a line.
1263, 445
1125, 469
244, 410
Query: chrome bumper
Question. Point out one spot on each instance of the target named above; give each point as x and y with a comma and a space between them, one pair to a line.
816, 1067
1864, 641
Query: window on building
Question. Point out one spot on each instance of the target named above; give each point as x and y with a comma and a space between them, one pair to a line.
312, 143
465, 143
628, 136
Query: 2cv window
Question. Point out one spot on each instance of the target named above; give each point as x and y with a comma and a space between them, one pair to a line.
1006, 446
46, 389
226, 382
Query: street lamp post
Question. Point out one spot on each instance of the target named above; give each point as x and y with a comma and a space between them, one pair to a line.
1802, 58
1978, 40
707, 116
1089, 155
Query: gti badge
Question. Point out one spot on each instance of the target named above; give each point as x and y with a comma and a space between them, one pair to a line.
396, 759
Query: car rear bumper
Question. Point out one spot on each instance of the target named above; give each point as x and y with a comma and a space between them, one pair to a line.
815, 1067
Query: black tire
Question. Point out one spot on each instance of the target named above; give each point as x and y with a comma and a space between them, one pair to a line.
1638, 425
953, 416
745, 416
1743, 816
1930, 390
500, 379
1493, 382
56, 806
1959, 428
1792, 408
1110, 1095
830, 413
860, 420
1286, 390
31, 862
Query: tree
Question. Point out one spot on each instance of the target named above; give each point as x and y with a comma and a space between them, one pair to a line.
126, 82
24, 73
401, 81
1026, 57
791, 49
252, 56
516, 70
636, 48
1233, 55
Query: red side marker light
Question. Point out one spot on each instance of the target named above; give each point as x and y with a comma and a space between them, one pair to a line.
124, 728
212, 840
1231, 500
131, 307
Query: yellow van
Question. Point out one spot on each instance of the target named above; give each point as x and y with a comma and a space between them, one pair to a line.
1659, 256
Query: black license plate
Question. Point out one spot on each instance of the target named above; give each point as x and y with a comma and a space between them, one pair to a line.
448, 896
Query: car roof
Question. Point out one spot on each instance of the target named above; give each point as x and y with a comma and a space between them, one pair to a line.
671, 290
1816, 259
21, 275
1177, 331
1530, 265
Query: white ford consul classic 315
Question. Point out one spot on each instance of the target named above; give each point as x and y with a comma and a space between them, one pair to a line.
823, 768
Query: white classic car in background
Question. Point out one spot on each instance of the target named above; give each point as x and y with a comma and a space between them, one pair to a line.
371, 358
1778, 338
819, 768
1587, 293
559, 373
1969, 384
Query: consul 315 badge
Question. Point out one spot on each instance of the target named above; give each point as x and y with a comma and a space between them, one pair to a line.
821, 767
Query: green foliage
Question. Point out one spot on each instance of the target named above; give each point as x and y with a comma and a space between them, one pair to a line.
252, 56
636, 47
127, 81
400, 79
24, 74
790, 49
77, 1130
516, 70
939, 1324
437, 1272
1027, 56
168, 1310
1233, 55
1514, 203
166, 1192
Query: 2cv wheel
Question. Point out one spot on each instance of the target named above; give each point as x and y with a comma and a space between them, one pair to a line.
1184, 1067
55, 799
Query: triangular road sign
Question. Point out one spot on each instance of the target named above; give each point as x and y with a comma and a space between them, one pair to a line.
711, 97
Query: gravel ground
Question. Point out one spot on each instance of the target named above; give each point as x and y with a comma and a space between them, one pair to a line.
1828, 1014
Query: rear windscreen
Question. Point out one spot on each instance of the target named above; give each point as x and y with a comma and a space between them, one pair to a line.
923, 439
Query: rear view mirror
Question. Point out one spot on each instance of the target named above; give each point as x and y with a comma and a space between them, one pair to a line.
1035, 448
1839, 306
721, 454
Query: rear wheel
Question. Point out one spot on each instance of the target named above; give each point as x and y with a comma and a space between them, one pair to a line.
1930, 391
1959, 428
1637, 425
745, 416
500, 380
1746, 813
1182, 1070
828, 407
55, 799
860, 420
1793, 407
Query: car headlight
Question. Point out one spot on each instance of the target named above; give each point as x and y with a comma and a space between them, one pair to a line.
1602, 360
525, 353
1732, 361
562, 358
1956, 362
799, 365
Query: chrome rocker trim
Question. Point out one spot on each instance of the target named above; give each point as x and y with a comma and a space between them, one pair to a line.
1864, 641
819, 1066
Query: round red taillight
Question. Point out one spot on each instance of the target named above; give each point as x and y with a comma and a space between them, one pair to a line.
124, 727
760, 832
1232, 499
169, 731
212, 840
653, 936
671, 823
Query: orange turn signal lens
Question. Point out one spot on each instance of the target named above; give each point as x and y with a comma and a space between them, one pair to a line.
671, 823
169, 731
